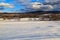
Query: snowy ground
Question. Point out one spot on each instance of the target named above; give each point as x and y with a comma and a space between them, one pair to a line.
33, 30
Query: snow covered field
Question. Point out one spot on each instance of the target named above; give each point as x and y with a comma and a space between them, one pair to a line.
33, 30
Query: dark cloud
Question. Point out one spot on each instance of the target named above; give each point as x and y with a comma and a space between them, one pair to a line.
54, 3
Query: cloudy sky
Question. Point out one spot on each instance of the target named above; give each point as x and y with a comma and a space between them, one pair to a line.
25, 5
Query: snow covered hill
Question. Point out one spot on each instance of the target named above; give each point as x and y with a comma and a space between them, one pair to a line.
33, 30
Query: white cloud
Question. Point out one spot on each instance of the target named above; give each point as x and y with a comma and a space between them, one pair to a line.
6, 5
40, 6
47, 7
36, 5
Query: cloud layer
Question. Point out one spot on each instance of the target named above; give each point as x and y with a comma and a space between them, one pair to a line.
52, 1
28, 5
